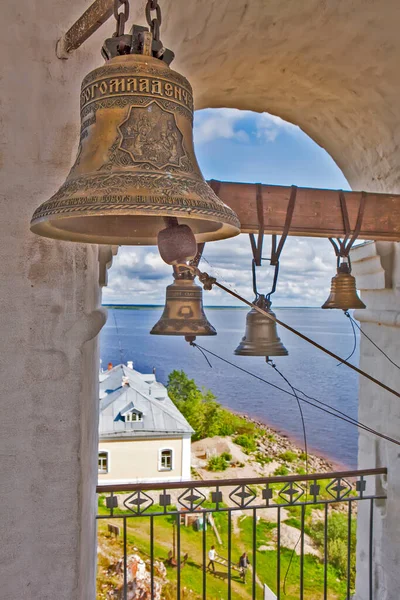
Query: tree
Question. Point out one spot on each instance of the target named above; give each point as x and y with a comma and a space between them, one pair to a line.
198, 407
180, 387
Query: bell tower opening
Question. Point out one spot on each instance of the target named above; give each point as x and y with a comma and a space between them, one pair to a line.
242, 146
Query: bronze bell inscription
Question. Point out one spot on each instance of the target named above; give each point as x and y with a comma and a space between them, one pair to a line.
136, 163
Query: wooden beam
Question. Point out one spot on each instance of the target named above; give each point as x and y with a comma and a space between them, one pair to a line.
97, 14
317, 212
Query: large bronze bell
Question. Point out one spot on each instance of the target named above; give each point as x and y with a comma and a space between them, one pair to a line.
183, 311
136, 163
261, 337
343, 290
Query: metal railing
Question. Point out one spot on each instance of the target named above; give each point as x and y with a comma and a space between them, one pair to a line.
169, 528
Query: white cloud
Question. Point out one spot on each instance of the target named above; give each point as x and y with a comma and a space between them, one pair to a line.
139, 276
230, 123
269, 126
217, 124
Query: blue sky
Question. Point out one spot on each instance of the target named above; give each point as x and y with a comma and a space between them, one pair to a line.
235, 145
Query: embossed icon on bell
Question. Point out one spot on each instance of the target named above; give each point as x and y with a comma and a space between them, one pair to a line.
183, 311
261, 337
136, 164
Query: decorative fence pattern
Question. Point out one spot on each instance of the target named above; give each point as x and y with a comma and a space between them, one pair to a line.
326, 492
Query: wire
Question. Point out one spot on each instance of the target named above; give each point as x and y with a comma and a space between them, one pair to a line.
353, 322
334, 412
355, 342
218, 273
329, 410
290, 564
273, 365
203, 353
208, 282
119, 337
205, 277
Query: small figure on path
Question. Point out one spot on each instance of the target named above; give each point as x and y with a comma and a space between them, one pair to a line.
243, 564
212, 555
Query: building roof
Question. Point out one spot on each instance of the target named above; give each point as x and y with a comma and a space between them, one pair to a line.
125, 390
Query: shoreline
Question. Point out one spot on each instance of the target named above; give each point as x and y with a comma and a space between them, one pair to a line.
287, 442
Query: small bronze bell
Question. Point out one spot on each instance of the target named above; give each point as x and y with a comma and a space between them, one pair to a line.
136, 164
343, 290
183, 312
261, 338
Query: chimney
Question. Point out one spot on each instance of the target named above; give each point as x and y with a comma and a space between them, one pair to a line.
129, 364
109, 366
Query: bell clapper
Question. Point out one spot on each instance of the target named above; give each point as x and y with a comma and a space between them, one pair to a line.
176, 243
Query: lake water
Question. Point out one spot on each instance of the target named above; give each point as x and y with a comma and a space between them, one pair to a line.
126, 337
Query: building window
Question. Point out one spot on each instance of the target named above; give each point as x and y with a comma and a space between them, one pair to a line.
103, 462
133, 417
165, 461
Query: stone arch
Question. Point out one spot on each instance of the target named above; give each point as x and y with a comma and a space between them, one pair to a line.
327, 67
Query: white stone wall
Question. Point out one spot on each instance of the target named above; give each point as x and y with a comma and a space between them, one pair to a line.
376, 267
186, 457
49, 317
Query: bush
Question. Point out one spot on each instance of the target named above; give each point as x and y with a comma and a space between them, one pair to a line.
262, 458
246, 441
288, 456
217, 463
282, 470
337, 542
227, 456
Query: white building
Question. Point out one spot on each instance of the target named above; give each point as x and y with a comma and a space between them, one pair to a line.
142, 435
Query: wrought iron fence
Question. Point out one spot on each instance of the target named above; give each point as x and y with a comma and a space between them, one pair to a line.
157, 537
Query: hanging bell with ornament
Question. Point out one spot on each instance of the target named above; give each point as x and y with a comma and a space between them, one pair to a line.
261, 337
135, 165
343, 290
183, 311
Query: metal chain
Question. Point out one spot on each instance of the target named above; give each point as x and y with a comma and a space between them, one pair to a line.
121, 17
154, 23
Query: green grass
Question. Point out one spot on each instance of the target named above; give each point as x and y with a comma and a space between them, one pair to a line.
262, 458
281, 470
267, 567
246, 441
288, 456
218, 463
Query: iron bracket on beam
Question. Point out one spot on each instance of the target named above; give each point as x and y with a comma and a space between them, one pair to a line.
97, 14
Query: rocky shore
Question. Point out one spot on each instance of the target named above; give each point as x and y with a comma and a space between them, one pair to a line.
273, 453
276, 443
